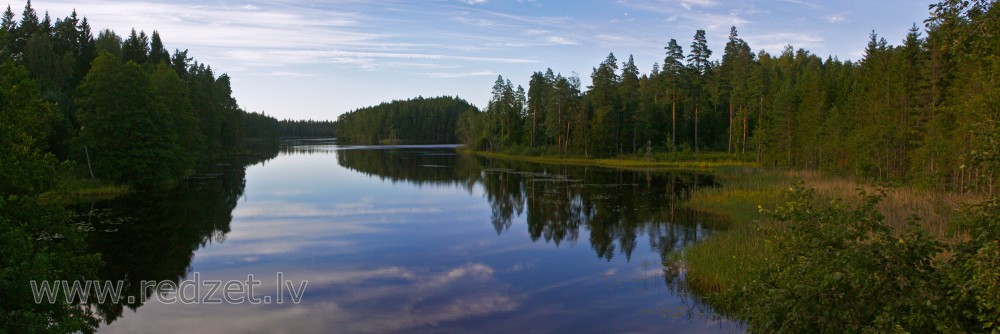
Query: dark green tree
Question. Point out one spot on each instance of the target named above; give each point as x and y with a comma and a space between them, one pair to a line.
673, 69
157, 53
698, 62
128, 137
136, 48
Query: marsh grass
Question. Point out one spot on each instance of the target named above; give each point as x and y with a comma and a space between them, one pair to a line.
75, 189
934, 208
725, 259
704, 162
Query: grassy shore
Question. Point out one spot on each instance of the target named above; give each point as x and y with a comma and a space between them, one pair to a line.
702, 162
72, 189
724, 260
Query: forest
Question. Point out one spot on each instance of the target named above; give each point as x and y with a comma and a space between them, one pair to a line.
110, 109
141, 114
920, 112
418, 120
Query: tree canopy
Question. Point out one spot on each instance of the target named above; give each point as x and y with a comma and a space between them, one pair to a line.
419, 120
912, 112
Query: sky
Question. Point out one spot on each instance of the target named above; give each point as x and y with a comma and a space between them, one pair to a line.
318, 59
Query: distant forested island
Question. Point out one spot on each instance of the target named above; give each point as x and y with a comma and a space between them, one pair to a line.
418, 120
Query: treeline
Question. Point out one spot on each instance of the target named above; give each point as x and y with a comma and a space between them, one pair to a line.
905, 113
137, 113
551, 201
113, 108
419, 120
307, 128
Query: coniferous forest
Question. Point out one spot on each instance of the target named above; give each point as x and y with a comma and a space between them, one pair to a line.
920, 110
140, 114
419, 120
76, 104
79, 106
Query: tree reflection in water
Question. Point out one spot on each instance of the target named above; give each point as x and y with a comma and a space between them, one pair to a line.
152, 235
614, 206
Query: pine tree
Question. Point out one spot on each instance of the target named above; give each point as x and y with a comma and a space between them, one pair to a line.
8, 32
87, 52
538, 95
629, 115
157, 53
136, 48
672, 71
606, 123
699, 64
27, 28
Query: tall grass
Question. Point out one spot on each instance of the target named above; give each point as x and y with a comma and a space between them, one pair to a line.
934, 208
711, 161
725, 259
72, 189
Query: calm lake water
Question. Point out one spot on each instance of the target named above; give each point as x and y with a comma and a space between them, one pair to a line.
412, 239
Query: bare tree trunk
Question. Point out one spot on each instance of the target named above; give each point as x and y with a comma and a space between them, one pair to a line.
730, 150
696, 149
788, 134
533, 121
744, 143
673, 132
760, 118
91, 170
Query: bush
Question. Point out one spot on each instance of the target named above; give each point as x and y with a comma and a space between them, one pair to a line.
974, 272
840, 269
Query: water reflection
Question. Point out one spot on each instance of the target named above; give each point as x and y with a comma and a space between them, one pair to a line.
614, 206
415, 239
152, 236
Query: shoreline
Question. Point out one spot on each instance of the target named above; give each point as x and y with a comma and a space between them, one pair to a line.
619, 162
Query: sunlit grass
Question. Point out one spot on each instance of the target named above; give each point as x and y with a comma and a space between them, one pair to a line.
725, 259
704, 162
72, 189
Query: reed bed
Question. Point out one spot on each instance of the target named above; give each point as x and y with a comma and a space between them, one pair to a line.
725, 259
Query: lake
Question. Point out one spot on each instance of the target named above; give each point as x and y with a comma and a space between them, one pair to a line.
408, 239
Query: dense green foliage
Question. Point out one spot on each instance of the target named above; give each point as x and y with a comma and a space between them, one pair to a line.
840, 269
35, 241
837, 269
307, 129
419, 120
923, 112
139, 114
902, 113
113, 109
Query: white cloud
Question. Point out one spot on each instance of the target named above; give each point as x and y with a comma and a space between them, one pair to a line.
452, 75
263, 57
776, 42
804, 3
290, 74
474, 2
560, 40
836, 18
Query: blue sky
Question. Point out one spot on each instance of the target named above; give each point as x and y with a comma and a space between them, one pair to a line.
318, 59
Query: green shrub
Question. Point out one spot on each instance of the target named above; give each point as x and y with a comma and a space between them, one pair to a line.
840, 269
